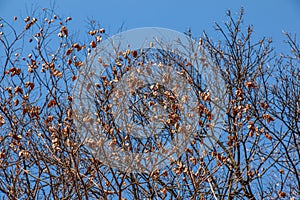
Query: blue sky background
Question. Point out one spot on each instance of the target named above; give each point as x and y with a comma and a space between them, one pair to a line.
269, 17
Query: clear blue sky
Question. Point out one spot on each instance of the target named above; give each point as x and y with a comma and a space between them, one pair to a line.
269, 17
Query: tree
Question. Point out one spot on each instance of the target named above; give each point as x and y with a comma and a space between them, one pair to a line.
43, 157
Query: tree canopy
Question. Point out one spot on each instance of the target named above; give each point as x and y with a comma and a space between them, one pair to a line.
42, 156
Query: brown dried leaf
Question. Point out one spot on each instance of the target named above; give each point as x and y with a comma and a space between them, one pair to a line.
268, 136
69, 51
51, 103
102, 30
64, 31
134, 53
164, 191
2, 120
281, 194
78, 64
250, 84
18, 90
93, 44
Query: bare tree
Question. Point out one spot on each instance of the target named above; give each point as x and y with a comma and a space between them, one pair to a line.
42, 155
